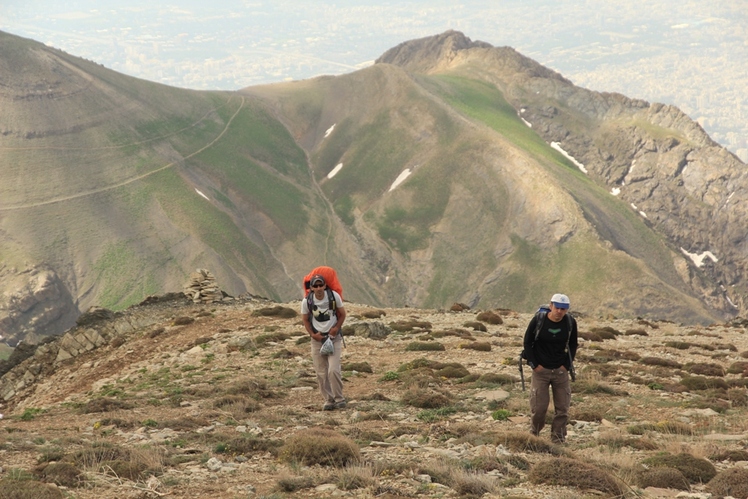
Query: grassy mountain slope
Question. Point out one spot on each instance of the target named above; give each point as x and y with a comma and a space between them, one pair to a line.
469, 223
419, 182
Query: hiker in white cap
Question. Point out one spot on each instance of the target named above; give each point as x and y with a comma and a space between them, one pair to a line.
550, 347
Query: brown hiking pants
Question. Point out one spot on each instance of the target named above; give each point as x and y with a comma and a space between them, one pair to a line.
558, 381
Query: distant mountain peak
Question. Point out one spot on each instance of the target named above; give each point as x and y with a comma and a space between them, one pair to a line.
424, 53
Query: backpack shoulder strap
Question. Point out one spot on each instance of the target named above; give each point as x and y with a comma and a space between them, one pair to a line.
540, 316
333, 305
310, 309
569, 323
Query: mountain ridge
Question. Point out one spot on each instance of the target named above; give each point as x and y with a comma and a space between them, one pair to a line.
242, 183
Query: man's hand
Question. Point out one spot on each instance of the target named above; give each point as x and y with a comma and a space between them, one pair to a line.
538, 368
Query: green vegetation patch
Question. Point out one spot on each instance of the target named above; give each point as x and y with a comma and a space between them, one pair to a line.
123, 276
486, 103
320, 447
572, 473
695, 469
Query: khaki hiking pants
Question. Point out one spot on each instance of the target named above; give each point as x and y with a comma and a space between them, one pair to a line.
558, 381
329, 375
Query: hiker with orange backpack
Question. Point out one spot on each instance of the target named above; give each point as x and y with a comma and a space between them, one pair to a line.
323, 314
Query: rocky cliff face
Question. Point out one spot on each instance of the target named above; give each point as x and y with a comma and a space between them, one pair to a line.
38, 305
688, 188
662, 163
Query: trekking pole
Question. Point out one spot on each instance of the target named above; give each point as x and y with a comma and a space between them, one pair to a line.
572, 371
521, 373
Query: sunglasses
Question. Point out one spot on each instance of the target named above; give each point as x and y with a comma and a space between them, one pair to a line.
318, 286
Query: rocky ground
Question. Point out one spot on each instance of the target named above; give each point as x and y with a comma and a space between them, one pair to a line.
219, 400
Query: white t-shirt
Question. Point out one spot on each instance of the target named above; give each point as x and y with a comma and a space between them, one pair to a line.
322, 319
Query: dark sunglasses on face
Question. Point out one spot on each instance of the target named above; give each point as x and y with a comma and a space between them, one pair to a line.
318, 286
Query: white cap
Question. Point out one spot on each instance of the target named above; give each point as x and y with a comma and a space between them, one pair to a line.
560, 301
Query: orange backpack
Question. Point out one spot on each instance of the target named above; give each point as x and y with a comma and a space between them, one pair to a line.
330, 277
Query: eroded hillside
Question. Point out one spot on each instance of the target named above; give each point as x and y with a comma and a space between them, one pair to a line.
218, 400
448, 171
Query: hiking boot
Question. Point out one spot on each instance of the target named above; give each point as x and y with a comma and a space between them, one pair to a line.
341, 405
329, 406
557, 440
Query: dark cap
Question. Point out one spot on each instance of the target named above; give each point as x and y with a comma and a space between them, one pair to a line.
315, 279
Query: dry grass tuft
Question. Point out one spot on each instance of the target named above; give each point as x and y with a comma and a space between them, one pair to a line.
526, 442
121, 462
405, 326
60, 473
236, 405
679, 345
294, 483
590, 385
252, 387
481, 346
468, 484
104, 404
320, 446
658, 361
737, 367
476, 326
664, 478
277, 311
375, 396
465, 483
732, 482
730, 455
373, 314
355, 477
28, 489
636, 332
697, 383
458, 332
452, 371
572, 473
618, 441
705, 369
696, 470
588, 415
285, 354
425, 346
490, 317
425, 399
497, 379
421, 363
594, 337
666, 427
277, 337
361, 367
182, 321
606, 332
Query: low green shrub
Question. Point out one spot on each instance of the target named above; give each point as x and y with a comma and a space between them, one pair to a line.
321, 447
424, 346
572, 473
695, 469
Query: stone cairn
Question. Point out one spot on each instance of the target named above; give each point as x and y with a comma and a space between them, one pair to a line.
202, 287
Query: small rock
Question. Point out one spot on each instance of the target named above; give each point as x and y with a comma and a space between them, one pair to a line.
214, 464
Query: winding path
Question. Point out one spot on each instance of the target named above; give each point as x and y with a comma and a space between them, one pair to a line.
132, 179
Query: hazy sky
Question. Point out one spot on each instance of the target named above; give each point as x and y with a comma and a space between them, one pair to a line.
690, 53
